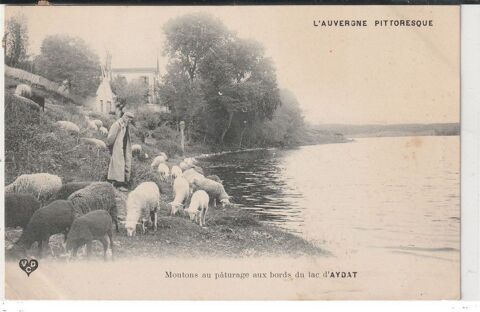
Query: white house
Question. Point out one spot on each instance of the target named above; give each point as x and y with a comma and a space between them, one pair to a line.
105, 98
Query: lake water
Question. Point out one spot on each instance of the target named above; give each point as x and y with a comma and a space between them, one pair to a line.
399, 195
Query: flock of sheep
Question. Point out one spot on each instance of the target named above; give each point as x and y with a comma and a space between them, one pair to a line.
43, 206
86, 211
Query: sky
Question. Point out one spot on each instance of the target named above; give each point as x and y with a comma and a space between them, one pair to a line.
349, 75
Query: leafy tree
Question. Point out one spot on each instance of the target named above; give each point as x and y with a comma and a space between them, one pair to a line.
134, 92
67, 58
191, 37
238, 80
16, 41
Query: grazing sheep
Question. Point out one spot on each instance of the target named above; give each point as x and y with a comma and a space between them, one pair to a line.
198, 169
215, 178
103, 131
181, 188
19, 208
40, 100
70, 188
55, 218
136, 148
95, 142
41, 185
68, 126
214, 189
164, 171
190, 174
141, 204
158, 160
98, 123
91, 125
184, 166
190, 161
175, 172
197, 210
96, 196
23, 90
95, 225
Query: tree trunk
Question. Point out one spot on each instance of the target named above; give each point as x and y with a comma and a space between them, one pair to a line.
230, 118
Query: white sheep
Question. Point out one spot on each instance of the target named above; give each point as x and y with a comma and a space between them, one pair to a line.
197, 210
136, 148
95, 142
91, 125
98, 122
184, 166
68, 126
175, 172
41, 185
142, 201
158, 160
190, 174
23, 90
164, 171
190, 161
213, 188
181, 187
103, 131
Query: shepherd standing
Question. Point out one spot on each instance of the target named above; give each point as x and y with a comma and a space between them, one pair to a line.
118, 142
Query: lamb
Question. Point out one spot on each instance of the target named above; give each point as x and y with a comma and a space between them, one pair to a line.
19, 208
98, 123
141, 204
198, 169
55, 218
70, 188
41, 185
175, 172
215, 178
164, 171
96, 196
68, 126
181, 188
214, 189
197, 210
158, 160
95, 225
95, 142
103, 131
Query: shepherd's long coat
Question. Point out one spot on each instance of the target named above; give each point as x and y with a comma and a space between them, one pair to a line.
120, 165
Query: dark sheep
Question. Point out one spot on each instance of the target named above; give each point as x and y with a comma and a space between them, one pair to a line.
19, 208
96, 196
95, 225
70, 188
37, 98
56, 218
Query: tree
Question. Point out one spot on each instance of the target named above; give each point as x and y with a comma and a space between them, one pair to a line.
16, 41
134, 92
191, 37
239, 80
67, 58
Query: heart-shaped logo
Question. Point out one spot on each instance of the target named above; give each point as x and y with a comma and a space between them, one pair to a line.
28, 266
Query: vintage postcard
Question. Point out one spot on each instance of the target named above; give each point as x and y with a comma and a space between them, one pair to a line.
232, 152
